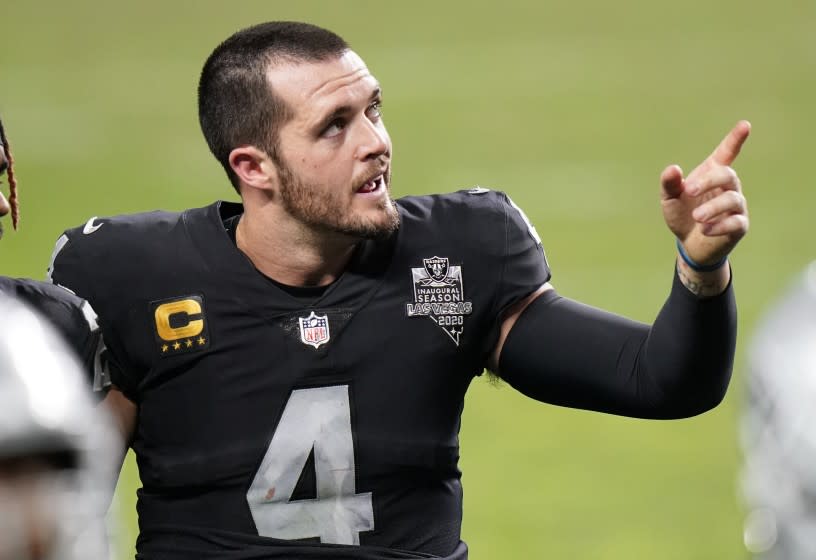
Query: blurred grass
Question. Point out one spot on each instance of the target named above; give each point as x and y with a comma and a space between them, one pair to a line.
573, 108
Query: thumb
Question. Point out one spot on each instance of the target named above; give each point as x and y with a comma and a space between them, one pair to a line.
671, 182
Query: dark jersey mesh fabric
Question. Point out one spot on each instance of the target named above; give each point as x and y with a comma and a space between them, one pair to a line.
272, 427
64, 310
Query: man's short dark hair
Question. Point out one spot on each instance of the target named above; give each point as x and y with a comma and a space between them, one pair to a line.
236, 102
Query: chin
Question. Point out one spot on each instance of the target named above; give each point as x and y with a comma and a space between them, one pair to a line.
372, 225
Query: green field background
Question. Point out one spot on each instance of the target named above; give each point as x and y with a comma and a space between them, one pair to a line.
573, 108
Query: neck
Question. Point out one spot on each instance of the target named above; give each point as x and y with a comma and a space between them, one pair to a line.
291, 253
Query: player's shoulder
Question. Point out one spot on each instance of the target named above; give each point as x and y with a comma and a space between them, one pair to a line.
124, 226
36, 291
474, 200
475, 212
147, 233
72, 315
115, 250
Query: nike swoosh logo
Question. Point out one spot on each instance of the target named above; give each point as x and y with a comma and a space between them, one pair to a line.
90, 227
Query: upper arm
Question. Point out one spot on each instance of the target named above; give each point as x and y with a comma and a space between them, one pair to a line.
508, 319
524, 274
124, 412
80, 263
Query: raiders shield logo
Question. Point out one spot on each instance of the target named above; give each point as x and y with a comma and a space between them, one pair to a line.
437, 268
314, 329
440, 295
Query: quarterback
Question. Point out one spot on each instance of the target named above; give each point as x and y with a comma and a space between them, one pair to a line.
247, 341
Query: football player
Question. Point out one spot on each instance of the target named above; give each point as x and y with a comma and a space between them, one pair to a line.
55, 446
7, 167
73, 317
248, 339
778, 427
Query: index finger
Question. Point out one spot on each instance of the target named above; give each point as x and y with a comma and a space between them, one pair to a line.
729, 148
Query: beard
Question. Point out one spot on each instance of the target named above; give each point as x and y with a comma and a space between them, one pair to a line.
320, 211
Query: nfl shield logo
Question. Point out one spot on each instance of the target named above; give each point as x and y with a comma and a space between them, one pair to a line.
314, 329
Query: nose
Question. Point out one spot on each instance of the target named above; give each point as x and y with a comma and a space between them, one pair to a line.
4, 207
374, 141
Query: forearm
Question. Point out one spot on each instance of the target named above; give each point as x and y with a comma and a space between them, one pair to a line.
566, 353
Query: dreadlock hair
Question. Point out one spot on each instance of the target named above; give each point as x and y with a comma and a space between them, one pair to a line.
13, 200
236, 103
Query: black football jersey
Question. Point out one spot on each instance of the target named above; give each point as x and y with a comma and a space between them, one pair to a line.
275, 426
73, 318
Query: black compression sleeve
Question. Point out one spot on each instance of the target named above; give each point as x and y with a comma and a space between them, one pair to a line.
566, 353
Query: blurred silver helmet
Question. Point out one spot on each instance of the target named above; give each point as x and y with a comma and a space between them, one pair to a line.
56, 446
778, 429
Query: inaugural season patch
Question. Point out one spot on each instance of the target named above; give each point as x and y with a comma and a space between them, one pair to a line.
439, 294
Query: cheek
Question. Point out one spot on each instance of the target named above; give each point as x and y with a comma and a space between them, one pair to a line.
316, 165
333, 175
326, 170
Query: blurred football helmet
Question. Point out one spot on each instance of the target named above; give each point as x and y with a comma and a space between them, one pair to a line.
57, 448
778, 429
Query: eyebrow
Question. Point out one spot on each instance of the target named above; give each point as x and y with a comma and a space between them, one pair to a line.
345, 110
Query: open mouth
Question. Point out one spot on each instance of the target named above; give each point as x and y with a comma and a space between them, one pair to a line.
373, 186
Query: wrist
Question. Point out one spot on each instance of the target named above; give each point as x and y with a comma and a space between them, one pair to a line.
703, 284
694, 265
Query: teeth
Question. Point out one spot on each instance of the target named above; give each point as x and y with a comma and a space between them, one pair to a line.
372, 185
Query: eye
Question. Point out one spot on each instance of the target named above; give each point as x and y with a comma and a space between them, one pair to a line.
374, 111
334, 128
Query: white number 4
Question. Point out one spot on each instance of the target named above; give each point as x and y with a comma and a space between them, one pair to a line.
318, 419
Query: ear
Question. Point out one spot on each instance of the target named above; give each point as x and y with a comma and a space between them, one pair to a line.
253, 167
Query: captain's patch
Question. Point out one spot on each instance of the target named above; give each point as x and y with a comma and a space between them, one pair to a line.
180, 325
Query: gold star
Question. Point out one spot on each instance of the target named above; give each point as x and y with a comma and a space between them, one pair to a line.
188, 343
201, 341
164, 347
176, 345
